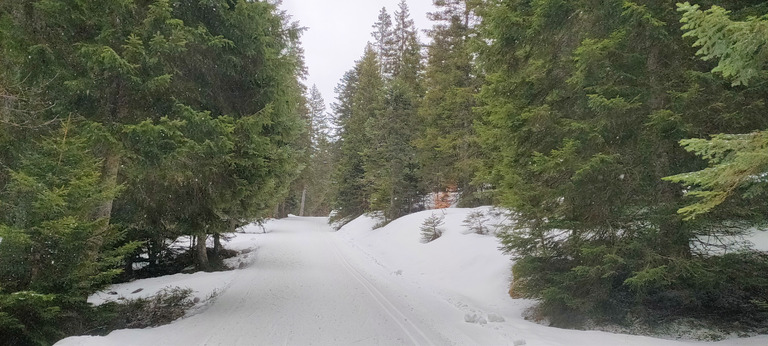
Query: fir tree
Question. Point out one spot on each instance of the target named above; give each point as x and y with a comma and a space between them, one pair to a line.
321, 159
738, 162
359, 97
448, 149
407, 64
582, 111
384, 42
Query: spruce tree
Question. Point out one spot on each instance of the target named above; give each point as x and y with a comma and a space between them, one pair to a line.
407, 64
359, 100
321, 160
379, 111
390, 165
384, 42
582, 110
448, 149
120, 64
738, 162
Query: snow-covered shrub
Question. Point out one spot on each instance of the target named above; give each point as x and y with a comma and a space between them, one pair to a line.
476, 222
167, 306
430, 229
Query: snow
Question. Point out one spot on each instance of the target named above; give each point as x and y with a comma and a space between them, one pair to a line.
204, 285
304, 284
759, 238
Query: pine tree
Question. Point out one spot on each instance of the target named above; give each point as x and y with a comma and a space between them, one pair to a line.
119, 65
359, 97
582, 110
389, 168
738, 162
407, 64
321, 159
384, 43
448, 149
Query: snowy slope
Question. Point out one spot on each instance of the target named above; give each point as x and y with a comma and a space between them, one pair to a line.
308, 285
469, 272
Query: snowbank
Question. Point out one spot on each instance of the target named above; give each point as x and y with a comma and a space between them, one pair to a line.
470, 272
204, 285
306, 284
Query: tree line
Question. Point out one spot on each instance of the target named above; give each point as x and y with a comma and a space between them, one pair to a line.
630, 146
626, 137
125, 125
405, 117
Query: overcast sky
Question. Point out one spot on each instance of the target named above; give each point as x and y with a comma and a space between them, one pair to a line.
337, 31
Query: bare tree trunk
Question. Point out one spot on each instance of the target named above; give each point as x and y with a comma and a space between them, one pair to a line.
202, 253
109, 181
303, 198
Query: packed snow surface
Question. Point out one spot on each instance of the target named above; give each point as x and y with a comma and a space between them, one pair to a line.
303, 284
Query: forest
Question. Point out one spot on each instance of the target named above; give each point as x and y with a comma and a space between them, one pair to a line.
628, 140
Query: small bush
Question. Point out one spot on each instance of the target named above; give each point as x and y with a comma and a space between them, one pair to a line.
430, 229
28, 318
167, 306
475, 222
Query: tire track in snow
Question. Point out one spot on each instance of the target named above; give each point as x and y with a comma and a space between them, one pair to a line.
402, 321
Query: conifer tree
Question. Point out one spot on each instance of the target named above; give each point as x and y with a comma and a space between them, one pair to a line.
407, 64
582, 110
448, 148
311, 192
392, 164
384, 42
387, 170
738, 162
321, 159
119, 65
359, 99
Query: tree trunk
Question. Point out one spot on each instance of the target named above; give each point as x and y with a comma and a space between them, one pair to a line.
303, 198
128, 267
103, 212
109, 182
657, 91
201, 253
217, 245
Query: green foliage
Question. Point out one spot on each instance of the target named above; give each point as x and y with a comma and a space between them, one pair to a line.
377, 169
476, 222
582, 112
313, 187
359, 99
737, 163
430, 228
27, 318
52, 247
51, 242
390, 166
739, 47
448, 149
123, 123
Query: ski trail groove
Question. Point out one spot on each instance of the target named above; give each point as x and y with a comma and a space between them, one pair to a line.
382, 300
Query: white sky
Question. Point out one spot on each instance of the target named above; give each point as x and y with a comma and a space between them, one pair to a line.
337, 31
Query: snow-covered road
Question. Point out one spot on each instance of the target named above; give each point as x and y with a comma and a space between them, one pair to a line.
303, 289
308, 285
